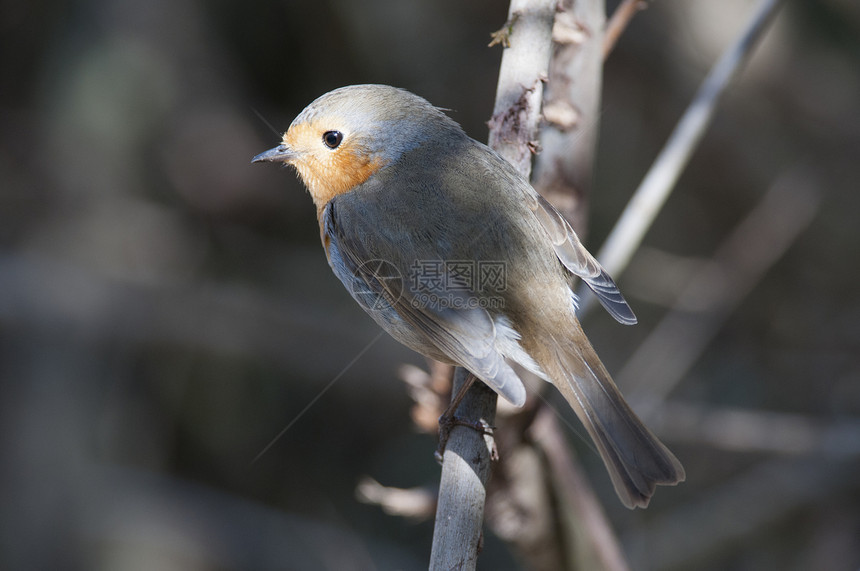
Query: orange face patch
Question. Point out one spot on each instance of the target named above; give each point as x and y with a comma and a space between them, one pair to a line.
329, 172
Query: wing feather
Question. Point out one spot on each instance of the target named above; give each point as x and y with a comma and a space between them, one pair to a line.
579, 261
458, 329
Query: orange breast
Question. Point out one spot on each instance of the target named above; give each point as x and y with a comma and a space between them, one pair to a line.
330, 173
341, 174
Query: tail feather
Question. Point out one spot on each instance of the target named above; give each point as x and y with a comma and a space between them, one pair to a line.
636, 460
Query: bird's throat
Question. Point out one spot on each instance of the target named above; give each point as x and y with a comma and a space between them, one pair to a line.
342, 174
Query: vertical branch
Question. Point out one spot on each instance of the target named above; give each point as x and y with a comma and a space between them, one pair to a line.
527, 37
525, 62
567, 526
462, 490
564, 168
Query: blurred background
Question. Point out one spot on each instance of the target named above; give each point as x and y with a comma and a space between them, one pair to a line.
166, 309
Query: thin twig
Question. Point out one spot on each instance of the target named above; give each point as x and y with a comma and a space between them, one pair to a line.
593, 539
737, 429
760, 240
619, 22
660, 180
753, 503
417, 504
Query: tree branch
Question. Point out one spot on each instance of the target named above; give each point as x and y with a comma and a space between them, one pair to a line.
563, 170
618, 23
525, 64
457, 535
513, 131
665, 356
559, 523
660, 180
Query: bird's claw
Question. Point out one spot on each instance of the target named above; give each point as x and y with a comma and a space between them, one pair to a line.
447, 423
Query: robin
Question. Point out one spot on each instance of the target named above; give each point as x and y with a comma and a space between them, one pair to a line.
454, 254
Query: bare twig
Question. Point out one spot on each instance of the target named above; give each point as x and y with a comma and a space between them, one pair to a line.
524, 68
746, 430
660, 180
430, 391
619, 21
540, 502
513, 130
593, 542
740, 262
740, 508
413, 503
457, 535
563, 170
502, 36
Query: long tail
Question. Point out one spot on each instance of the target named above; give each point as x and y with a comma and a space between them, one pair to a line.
637, 461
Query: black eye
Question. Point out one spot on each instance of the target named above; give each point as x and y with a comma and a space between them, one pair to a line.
332, 139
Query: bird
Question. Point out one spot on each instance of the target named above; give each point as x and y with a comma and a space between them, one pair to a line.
453, 253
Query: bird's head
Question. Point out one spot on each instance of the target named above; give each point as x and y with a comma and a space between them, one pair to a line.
345, 136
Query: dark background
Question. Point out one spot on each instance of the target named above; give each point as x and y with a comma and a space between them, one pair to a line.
166, 309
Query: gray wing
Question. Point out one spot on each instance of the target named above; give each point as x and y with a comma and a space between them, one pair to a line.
455, 327
579, 261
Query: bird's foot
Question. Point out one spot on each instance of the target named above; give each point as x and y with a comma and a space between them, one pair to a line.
448, 422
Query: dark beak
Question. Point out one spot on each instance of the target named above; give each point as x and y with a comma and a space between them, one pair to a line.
281, 153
